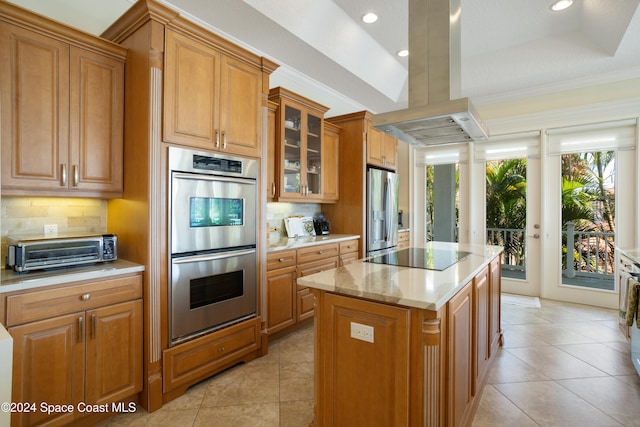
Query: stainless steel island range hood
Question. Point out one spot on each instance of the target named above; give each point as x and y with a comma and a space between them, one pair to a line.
432, 117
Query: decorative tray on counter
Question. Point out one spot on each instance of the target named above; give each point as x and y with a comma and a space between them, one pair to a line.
299, 226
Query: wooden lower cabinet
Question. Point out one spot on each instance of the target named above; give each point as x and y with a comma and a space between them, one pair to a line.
91, 356
403, 239
195, 360
288, 303
364, 383
48, 366
460, 359
382, 364
282, 297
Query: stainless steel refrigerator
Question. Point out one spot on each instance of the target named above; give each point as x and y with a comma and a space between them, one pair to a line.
382, 211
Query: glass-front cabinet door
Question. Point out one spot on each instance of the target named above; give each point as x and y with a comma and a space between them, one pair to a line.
292, 158
299, 144
314, 155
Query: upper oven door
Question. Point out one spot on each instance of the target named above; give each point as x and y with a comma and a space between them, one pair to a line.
211, 212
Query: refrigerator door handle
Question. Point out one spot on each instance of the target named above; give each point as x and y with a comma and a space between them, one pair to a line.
385, 209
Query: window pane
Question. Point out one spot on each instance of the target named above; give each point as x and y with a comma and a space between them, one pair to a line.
588, 219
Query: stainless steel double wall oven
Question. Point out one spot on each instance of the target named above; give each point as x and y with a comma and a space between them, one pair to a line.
213, 226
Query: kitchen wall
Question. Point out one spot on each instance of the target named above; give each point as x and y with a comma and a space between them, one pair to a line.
27, 216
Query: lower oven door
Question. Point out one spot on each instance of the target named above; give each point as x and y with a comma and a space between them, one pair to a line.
209, 291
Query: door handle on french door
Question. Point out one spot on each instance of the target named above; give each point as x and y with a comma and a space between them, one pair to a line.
535, 235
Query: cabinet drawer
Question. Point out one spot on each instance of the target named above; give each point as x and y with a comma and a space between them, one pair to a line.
199, 358
348, 247
281, 259
27, 307
317, 252
317, 266
403, 236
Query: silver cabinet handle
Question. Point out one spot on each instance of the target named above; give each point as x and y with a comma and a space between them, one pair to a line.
63, 175
224, 140
217, 139
85, 297
75, 175
80, 329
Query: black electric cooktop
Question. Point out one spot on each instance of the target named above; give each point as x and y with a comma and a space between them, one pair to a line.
430, 259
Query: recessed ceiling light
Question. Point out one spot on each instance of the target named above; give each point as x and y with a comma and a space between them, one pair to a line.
403, 52
369, 17
560, 5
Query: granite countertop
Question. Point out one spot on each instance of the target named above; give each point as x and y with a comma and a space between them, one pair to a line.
300, 242
412, 287
632, 253
11, 281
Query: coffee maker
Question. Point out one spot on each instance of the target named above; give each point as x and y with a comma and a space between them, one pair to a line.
321, 224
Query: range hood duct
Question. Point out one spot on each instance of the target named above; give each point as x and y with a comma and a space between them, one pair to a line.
433, 118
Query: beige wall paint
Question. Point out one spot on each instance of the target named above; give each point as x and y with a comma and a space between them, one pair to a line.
563, 100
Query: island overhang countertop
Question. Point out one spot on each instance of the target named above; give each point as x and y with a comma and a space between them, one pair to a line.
406, 286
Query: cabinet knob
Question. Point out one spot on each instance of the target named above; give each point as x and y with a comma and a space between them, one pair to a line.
85, 297
320, 252
281, 259
221, 350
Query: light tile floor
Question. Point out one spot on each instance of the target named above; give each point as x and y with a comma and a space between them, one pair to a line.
561, 365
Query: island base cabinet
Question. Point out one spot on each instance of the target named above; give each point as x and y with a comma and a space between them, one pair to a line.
363, 356
379, 363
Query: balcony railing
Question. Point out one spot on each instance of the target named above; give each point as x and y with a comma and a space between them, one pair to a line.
590, 263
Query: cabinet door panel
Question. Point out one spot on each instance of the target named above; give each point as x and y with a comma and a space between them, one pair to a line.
241, 108
190, 91
48, 366
35, 108
330, 164
97, 93
364, 374
460, 322
482, 334
281, 298
114, 352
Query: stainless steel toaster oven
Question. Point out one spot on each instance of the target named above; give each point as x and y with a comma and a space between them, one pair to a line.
41, 253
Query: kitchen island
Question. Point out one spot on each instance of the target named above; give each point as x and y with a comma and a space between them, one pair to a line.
406, 346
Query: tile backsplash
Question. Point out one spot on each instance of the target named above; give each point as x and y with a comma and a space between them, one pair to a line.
278, 211
27, 216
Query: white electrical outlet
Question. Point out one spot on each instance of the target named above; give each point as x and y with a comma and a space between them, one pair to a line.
50, 230
362, 332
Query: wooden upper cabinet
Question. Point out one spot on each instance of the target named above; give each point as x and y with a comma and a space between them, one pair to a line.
381, 149
62, 114
34, 72
211, 100
330, 163
306, 152
96, 122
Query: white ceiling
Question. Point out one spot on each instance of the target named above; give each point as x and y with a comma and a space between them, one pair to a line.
510, 48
